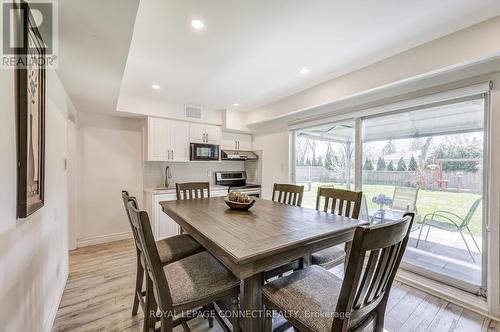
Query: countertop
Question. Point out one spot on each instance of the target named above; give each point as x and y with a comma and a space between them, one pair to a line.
171, 190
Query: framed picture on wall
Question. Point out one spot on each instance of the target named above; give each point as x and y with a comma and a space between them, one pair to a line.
30, 108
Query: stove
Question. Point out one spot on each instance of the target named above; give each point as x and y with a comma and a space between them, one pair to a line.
237, 180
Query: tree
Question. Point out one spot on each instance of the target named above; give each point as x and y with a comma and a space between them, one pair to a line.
413, 166
459, 150
314, 162
391, 167
320, 161
401, 165
308, 162
381, 164
368, 166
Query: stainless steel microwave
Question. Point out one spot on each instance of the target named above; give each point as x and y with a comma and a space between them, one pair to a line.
204, 151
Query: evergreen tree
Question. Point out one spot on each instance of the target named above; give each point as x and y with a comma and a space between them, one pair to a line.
391, 167
368, 166
320, 161
314, 162
381, 164
401, 165
413, 166
308, 162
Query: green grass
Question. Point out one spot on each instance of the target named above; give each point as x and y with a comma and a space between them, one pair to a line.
428, 201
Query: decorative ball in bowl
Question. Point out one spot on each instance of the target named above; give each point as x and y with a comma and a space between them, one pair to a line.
237, 201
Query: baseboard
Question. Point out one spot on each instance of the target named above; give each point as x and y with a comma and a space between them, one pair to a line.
448, 293
103, 239
49, 322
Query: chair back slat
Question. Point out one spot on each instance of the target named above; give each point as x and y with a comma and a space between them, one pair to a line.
349, 202
365, 288
154, 268
288, 194
192, 190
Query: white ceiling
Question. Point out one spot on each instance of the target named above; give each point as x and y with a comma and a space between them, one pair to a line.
94, 38
250, 52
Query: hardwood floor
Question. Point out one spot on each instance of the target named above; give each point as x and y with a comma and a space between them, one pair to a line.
98, 297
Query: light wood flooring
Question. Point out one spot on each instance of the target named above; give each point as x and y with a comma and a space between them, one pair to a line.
98, 297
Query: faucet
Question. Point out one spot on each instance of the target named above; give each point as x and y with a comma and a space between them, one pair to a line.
168, 176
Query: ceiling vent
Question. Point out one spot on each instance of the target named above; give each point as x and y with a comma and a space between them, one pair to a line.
192, 112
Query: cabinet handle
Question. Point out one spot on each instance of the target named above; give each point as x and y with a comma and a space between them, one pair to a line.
207, 137
172, 154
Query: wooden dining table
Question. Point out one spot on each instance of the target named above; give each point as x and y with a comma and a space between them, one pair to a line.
251, 242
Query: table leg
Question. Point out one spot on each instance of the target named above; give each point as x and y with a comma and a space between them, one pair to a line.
253, 311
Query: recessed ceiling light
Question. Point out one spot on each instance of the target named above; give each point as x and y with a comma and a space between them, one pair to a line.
197, 24
236, 104
304, 71
155, 86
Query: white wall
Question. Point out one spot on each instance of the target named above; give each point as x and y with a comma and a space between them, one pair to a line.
33, 252
109, 160
275, 154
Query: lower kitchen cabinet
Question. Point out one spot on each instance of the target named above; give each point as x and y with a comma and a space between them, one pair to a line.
162, 225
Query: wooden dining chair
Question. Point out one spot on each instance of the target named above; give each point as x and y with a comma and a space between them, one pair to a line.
191, 190
170, 250
344, 203
314, 299
290, 194
184, 285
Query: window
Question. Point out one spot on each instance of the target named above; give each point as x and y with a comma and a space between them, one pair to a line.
324, 156
428, 160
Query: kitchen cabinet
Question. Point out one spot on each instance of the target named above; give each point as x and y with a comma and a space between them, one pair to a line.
166, 140
162, 225
203, 133
233, 141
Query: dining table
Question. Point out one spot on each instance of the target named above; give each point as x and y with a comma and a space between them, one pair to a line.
249, 243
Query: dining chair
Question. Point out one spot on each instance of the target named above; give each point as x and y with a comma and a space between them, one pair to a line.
290, 194
181, 286
170, 250
314, 299
344, 203
190, 190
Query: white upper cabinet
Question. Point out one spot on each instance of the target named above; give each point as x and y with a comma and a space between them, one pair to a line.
166, 140
232, 141
203, 133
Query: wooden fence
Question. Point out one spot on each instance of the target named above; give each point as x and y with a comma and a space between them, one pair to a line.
428, 179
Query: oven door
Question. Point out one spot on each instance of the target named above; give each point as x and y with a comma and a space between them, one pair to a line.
204, 151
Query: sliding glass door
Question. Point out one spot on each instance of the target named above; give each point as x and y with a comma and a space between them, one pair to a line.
426, 160
430, 161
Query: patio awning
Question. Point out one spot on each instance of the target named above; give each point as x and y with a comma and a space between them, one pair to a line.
457, 118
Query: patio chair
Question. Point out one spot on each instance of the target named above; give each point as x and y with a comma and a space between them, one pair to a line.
405, 199
451, 222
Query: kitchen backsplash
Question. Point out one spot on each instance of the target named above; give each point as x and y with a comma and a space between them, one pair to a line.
154, 172
254, 169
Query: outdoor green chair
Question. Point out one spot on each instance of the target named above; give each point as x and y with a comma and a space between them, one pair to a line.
451, 222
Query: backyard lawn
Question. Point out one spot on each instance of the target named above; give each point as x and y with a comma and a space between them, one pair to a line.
428, 201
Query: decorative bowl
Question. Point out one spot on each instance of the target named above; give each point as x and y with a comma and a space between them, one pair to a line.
239, 206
